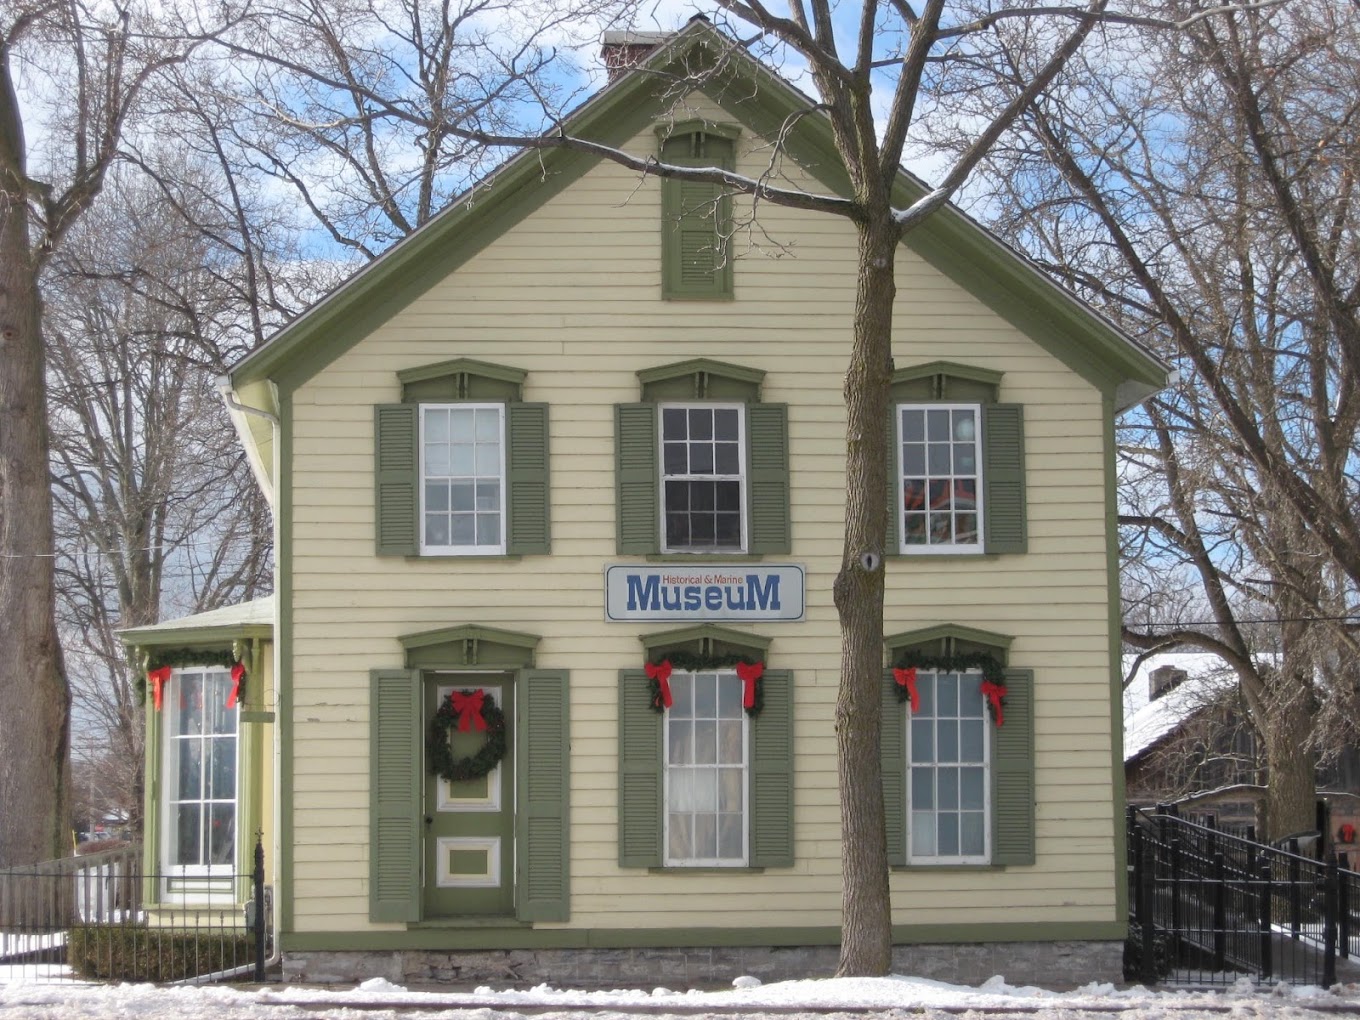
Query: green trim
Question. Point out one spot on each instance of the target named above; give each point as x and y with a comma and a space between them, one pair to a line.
1117, 789
679, 870
946, 636
197, 638
471, 921
485, 937
700, 368
257, 717
973, 258
705, 637
705, 557
283, 687
697, 126
469, 645
463, 366
970, 372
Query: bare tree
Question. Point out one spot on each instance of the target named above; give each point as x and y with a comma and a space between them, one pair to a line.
1204, 194
83, 68
155, 506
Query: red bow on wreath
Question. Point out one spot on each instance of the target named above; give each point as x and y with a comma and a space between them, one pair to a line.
994, 693
907, 678
238, 670
661, 673
469, 709
749, 674
157, 678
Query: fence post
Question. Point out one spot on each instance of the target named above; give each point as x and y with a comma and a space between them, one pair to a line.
1174, 859
1295, 895
258, 880
1147, 877
1220, 911
1267, 967
1343, 909
1329, 898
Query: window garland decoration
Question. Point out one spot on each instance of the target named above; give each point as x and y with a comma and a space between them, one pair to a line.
468, 710
749, 671
993, 676
161, 661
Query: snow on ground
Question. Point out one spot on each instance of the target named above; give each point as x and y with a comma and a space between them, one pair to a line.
38, 998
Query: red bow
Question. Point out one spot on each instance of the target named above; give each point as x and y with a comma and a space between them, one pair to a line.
907, 678
469, 709
157, 678
661, 673
238, 671
749, 675
994, 693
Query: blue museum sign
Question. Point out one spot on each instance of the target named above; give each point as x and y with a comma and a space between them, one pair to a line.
704, 593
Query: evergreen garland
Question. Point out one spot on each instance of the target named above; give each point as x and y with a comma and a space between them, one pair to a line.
688, 662
990, 668
178, 658
474, 766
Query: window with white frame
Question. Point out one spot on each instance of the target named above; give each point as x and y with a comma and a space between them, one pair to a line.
948, 776
462, 471
703, 485
939, 465
200, 772
706, 753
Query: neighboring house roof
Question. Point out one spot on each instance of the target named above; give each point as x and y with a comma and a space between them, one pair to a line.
954, 243
246, 619
1147, 721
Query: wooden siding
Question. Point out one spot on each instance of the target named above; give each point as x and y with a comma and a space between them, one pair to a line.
572, 294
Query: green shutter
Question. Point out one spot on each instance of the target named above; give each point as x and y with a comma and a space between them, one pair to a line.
395, 814
893, 758
1013, 773
640, 803
636, 479
771, 805
397, 477
542, 771
1003, 478
767, 469
892, 542
694, 219
526, 428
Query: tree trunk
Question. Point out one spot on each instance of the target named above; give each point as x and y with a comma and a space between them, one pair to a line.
1289, 705
866, 940
35, 701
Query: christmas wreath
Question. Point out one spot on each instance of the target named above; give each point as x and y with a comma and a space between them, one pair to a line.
993, 676
749, 671
468, 710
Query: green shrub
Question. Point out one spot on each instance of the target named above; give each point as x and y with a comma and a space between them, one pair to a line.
106, 953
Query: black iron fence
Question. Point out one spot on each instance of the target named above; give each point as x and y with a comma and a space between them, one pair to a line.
103, 917
1207, 907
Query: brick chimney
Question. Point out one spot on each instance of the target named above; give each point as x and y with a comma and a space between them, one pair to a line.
1164, 679
626, 49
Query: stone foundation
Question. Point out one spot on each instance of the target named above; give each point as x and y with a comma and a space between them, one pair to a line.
1048, 964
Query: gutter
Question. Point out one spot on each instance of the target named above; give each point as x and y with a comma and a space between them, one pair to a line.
238, 411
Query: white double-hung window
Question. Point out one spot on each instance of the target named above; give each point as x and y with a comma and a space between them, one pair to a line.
462, 473
703, 478
201, 755
948, 776
706, 766
940, 472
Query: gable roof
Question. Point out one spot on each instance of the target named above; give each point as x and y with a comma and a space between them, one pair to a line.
1148, 721
951, 241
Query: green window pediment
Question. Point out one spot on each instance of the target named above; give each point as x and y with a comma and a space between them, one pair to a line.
946, 380
947, 640
701, 379
461, 379
708, 641
469, 645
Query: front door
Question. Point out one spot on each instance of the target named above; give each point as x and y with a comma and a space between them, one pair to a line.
470, 824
